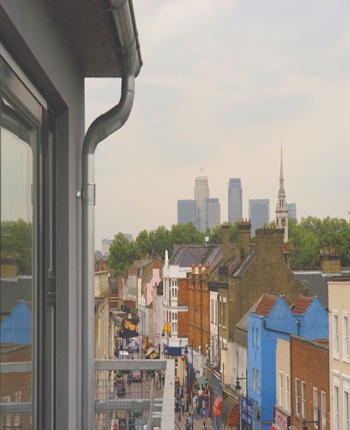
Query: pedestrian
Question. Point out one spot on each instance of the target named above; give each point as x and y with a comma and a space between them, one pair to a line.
188, 404
156, 378
129, 381
160, 379
204, 427
211, 426
183, 404
187, 425
189, 391
163, 376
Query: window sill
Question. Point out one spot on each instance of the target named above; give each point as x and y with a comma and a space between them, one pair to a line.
224, 327
346, 360
336, 357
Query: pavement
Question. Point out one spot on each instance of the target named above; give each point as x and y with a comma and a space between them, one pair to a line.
180, 424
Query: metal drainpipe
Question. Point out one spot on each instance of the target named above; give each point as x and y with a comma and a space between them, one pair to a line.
101, 128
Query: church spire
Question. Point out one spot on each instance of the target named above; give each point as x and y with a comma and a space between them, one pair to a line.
281, 191
281, 206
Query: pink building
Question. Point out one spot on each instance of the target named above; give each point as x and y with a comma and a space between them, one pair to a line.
153, 280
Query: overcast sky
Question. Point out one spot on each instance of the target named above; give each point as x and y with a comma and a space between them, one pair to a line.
222, 82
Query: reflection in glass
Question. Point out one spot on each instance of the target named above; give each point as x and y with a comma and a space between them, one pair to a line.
18, 137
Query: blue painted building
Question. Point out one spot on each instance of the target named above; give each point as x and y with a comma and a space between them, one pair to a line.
17, 327
271, 320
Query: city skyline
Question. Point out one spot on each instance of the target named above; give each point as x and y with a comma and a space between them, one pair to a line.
226, 108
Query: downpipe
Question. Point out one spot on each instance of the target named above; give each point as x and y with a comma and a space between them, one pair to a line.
101, 128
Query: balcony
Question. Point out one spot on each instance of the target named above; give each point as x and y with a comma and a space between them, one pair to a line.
116, 402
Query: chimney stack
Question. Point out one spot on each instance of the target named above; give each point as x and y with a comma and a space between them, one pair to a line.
244, 239
225, 242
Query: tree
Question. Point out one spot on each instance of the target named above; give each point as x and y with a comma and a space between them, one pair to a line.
122, 253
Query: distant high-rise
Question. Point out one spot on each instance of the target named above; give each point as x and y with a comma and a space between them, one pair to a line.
234, 200
186, 211
259, 213
212, 213
292, 210
201, 192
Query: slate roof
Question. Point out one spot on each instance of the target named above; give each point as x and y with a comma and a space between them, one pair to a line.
14, 290
246, 264
301, 304
194, 254
316, 283
266, 304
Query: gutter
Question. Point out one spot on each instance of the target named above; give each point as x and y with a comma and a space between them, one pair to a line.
121, 18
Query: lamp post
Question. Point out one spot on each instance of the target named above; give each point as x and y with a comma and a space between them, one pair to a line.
186, 353
238, 385
304, 422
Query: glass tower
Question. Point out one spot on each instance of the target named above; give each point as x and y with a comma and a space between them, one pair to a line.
234, 200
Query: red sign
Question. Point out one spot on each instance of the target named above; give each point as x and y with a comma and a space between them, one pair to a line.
281, 420
183, 358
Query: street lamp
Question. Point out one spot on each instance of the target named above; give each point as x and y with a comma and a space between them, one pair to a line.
304, 422
238, 385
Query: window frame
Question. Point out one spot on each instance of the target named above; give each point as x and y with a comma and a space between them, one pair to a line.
335, 335
287, 381
345, 336
280, 388
303, 400
323, 411
297, 397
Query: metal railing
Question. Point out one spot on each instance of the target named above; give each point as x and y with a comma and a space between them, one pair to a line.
132, 405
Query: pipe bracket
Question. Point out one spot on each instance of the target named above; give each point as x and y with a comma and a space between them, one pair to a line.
89, 194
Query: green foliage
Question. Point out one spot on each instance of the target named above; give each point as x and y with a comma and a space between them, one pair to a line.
308, 237
16, 241
123, 253
216, 235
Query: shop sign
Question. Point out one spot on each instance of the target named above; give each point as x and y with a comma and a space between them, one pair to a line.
195, 360
247, 411
281, 420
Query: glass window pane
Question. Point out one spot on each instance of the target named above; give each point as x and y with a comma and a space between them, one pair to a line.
18, 139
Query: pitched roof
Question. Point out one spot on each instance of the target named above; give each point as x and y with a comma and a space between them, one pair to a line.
266, 304
317, 282
302, 304
246, 264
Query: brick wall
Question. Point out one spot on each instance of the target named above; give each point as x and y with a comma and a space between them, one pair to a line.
182, 294
182, 324
268, 273
309, 363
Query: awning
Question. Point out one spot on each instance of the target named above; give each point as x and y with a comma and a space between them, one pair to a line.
230, 413
217, 406
201, 379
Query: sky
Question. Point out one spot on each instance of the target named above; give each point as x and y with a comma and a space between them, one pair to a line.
223, 81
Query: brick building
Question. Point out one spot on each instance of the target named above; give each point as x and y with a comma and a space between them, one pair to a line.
264, 271
309, 381
199, 308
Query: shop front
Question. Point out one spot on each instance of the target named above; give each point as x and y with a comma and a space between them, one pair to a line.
230, 415
281, 419
217, 405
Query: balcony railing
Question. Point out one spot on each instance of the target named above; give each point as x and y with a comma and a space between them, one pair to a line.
116, 402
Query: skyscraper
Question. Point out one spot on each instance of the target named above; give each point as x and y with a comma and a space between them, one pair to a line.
281, 206
201, 192
212, 213
186, 211
234, 200
259, 213
292, 210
